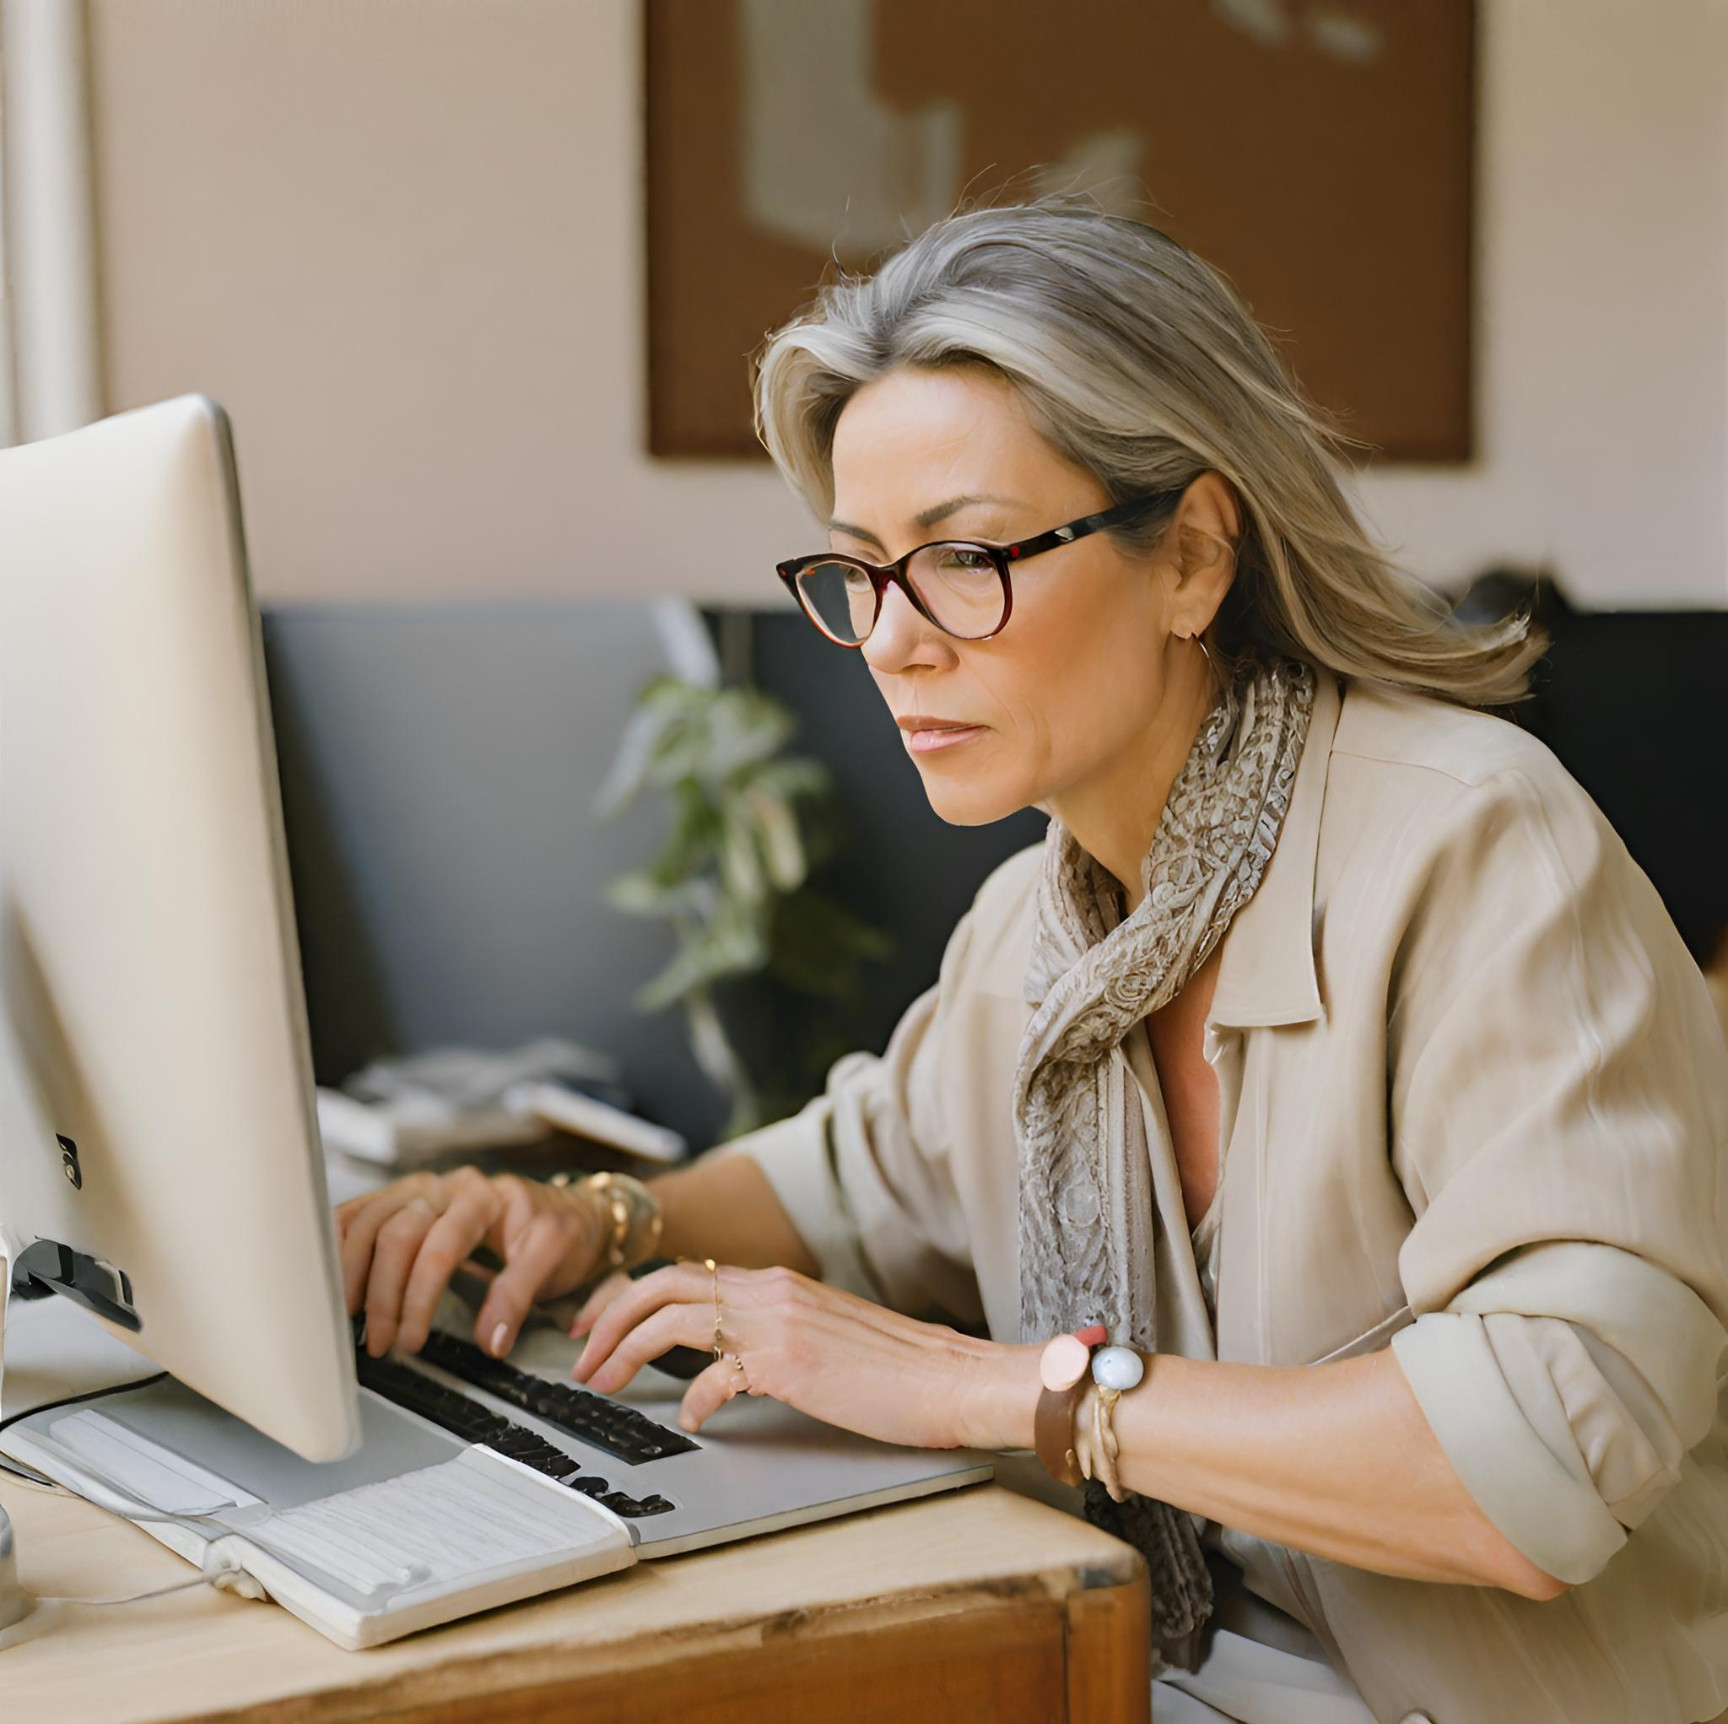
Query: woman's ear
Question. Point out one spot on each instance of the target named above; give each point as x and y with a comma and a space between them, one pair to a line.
1204, 536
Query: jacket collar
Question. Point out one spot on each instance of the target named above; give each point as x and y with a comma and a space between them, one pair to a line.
1266, 975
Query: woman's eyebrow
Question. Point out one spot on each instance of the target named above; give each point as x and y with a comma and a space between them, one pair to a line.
858, 533
928, 518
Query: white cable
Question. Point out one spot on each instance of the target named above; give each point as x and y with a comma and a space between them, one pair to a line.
218, 1571
131, 1598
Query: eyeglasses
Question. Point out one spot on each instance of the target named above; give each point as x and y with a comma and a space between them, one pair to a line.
957, 584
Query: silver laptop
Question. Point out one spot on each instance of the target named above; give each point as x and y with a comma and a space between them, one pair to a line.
159, 1162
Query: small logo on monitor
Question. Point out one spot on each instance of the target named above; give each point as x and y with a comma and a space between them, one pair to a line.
69, 1161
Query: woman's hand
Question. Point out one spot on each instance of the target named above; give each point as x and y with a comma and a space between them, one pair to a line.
827, 1353
401, 1244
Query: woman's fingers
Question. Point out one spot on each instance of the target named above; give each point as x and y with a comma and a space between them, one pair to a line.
533, 1255
365, 1215
442, 1252
393, 1253
670, 1326
710, 1390
611, 1288
687, 1282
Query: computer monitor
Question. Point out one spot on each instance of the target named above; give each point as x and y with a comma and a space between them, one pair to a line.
159, 1156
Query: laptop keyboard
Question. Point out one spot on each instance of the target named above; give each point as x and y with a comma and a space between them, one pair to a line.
464, 1417
621, 1431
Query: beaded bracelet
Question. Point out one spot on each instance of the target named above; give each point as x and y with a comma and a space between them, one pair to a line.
1114, 1371
1082, 1380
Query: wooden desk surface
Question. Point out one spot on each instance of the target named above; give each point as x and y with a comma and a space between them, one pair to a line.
975, 1604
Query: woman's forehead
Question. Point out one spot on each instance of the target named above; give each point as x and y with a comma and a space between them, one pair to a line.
913, 440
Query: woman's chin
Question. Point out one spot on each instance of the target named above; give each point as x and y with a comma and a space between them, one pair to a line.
969, 803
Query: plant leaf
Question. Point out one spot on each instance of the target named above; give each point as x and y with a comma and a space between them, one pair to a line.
777, 829
660, 709
642, 892
792, 777
740, 858
745, 728
734, 943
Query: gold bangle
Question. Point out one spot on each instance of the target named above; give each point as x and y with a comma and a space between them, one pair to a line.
636, 1218
619, 1205
647, 1219
1103, 1405
1094, 1437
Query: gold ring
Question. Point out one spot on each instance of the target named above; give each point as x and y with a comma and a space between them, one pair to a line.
738, 1366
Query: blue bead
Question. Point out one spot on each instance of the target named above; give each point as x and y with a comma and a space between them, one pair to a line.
1117, 1368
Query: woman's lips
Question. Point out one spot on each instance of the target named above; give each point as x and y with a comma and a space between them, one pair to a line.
929, 738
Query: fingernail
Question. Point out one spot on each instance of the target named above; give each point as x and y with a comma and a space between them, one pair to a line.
498, 1335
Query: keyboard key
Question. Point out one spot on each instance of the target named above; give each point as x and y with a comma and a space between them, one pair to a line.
632, 1508
462, 1417
620, 1430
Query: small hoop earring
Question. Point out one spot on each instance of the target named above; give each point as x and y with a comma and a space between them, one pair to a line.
1211, 663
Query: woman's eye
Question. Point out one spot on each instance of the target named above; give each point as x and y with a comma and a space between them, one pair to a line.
964, 557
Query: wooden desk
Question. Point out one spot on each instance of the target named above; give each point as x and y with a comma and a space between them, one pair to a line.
978, 1604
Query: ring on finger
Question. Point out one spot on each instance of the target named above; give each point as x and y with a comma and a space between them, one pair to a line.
739, 1372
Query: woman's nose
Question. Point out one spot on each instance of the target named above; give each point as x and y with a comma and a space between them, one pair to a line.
902, 638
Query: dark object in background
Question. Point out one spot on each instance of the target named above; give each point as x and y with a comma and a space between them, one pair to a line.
779, 140
1635, 704
903, 867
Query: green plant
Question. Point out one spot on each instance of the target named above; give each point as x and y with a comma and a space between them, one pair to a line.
750, 826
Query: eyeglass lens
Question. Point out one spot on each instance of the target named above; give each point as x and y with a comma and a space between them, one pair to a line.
957, 584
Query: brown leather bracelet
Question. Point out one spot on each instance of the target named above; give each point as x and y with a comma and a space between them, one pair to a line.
1053, 1431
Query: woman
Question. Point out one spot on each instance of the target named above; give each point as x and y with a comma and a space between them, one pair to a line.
1331, 1054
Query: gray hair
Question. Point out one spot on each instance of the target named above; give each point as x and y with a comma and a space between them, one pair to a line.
1140, 363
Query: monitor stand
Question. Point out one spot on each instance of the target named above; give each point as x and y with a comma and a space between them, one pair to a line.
46, 1266
51, 1351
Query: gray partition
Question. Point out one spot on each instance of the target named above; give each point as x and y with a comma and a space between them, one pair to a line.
439, 767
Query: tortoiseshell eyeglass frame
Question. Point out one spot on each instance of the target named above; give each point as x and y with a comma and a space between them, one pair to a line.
883, 575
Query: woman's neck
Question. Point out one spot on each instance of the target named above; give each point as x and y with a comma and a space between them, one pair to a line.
1114, 815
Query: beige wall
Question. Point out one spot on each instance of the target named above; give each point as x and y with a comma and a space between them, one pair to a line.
401, 240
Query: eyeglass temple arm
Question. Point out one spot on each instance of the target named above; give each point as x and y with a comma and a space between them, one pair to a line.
1116, 516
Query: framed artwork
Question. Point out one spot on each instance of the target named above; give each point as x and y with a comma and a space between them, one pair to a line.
1318, 151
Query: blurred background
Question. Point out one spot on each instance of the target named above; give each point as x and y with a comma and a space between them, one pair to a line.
477, 281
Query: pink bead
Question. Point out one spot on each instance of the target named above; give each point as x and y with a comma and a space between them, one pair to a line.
1063, 1362
1093, 1335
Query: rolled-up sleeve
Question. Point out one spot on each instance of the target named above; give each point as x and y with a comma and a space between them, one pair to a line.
1560, 1115
863, 1171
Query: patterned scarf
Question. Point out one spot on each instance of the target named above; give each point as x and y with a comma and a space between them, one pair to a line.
1086, 1203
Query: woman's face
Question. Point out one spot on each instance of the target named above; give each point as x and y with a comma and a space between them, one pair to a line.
1057, 706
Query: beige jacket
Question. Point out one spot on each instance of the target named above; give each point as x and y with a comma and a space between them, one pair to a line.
1474, 1106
